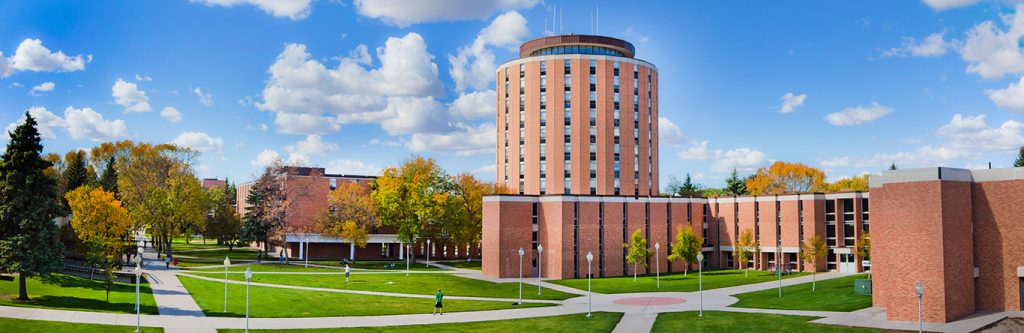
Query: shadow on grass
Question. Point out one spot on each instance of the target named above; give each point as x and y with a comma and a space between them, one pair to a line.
66, 302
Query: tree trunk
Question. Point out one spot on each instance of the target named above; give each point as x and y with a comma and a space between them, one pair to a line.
634, 271
687, 270
22, 291
814, 280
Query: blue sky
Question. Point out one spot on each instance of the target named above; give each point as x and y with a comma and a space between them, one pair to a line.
355, 86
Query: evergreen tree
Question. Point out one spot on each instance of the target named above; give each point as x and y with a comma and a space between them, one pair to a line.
76, 174
1020, 158
689, 188
29, 243
108, 180
734, 185
893, 166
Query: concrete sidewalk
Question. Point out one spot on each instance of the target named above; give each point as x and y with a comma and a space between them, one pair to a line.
178, 311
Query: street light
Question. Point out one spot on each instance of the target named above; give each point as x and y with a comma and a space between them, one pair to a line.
700, 281
919, 289
778, 268
138, 263
138, 310
428, 251
540, 250
408, 253
521, 253
590, 296
657, 265
227, 262
248, 276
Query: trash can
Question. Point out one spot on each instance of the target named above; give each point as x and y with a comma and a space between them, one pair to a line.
862, 286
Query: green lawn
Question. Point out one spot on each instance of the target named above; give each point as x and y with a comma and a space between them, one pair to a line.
270, 268
830, 295
673, 282
720, 321
288, 303
373, 264
219, 254
179, 244
74, 293
600, 322
416, 283
23, 325
475, 264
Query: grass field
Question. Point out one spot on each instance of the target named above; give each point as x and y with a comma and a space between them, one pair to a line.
374, 265
288, 303
179, 244
271, 268
673, 282
422, 283
74, 293
475, 264
236, 253
727, 322
600, 322
23, 325
831, 295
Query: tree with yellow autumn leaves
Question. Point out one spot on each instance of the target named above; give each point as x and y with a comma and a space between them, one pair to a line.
101, 223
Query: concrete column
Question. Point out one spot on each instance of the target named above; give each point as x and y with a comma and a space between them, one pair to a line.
401, 251
302, 250
351, 251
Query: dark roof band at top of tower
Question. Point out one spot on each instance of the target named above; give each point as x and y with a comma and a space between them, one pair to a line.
616, 46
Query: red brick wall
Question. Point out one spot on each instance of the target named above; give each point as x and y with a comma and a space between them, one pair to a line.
507, 226
999, 235
660, 235
613, 239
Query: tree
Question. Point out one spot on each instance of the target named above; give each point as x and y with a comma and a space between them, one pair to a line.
76, 173
108, 179
413, 198
811, 251
686, 247
223, 222
638, 251
686, 188
466, 225
350, 213
855, 183
101, 223
265, 216
29, 243
786, 178
745, 249
1020, 158
893, 166
863, 247
734, 185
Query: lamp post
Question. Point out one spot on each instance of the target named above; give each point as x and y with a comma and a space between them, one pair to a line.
138, 310
700, 281
408, 253
540, 250
919, 289
657, 265
248, 276
778, 269
227, 262
138, 263
428, 251
590, 295
521, 253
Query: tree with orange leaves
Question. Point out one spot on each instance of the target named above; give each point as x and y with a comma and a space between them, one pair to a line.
855, 183
350, 213
784, 178
101, 223
413, 198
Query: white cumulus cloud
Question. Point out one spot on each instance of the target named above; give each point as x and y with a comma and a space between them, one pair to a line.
128, 95
992, 52
939, 5
743, 159
31, 55
41, 88
858, 115
85, 123
352, 167
46, 122
265, 158
205, 99
404, 13
932, 46
312, 145
472, 67
791, 102
199, 141
293, 9
669, 133
1011, 98
171, 114
465, 141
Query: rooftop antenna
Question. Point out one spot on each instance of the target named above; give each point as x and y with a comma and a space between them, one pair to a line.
554, 18
591, 23
561, 20
598, 25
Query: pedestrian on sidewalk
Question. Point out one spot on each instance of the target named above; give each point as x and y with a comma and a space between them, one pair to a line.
167, 262
347, 271
259, 256
437, 302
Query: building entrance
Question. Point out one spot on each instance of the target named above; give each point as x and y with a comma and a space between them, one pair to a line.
847, 264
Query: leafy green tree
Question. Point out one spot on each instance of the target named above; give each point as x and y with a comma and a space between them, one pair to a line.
29, 243
686, 247
686, 188
223, 222
638, 251
1020, 158
108, 179
863, 247
812, 250
265, 217
413, 198
745, 249
734, 185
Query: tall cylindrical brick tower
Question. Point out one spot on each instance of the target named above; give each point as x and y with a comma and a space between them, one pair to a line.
577, 114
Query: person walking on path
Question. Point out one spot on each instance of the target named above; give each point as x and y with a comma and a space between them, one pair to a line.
347, 271
167, 262
259, 257
437, 302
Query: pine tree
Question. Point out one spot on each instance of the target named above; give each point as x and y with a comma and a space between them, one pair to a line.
1020, 158
689, 188
76, 174
29, 243
108, 180
893, 166
734, 185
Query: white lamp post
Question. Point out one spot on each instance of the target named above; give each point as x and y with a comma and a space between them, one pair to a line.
428, 251
919, 289
138, 263
657, 265
540, 250
227, 262
778, 268
521, 253
138, 309
590, 296
700, 281
408, 253
248, 276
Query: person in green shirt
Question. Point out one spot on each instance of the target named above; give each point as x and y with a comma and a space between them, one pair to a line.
437, 302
